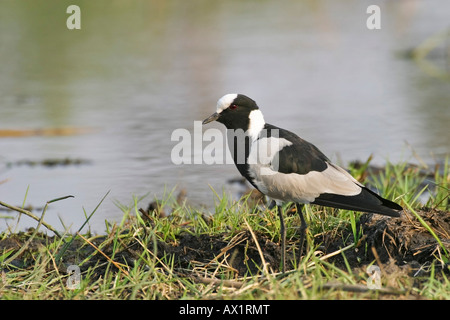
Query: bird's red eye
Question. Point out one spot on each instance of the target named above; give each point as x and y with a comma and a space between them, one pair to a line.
233, 107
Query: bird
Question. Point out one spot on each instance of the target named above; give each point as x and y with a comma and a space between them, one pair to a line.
288, 169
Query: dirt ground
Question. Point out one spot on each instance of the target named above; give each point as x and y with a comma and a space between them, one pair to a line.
401, 242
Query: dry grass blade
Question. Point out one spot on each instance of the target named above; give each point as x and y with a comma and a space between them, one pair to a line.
237, 239
265, 270
332, 254
117, 265
361, 288
218, 282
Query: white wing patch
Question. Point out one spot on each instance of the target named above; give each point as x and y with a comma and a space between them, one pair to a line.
263, 153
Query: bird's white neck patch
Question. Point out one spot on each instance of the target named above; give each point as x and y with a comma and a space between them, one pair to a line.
225, 102
256, 124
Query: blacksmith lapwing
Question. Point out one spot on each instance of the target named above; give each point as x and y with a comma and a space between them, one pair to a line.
287, 168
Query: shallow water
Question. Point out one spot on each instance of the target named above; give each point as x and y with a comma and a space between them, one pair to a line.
136, 72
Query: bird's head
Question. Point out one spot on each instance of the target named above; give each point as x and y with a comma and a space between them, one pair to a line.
235, 111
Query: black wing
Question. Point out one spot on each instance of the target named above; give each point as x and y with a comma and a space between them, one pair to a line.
301, 157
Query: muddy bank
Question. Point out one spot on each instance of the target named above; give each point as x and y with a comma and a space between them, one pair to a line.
401, 242
404, 241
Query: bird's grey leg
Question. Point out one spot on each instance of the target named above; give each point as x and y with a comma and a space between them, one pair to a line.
272, 205
283, 239
303, 227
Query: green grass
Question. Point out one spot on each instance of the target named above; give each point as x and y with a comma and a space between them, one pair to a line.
129, 261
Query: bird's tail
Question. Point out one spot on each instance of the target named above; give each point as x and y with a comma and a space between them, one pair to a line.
366, 201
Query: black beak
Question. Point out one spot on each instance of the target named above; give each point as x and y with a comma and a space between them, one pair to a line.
211, 118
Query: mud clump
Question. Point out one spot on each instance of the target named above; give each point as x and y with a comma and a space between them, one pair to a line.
403, 241
238, 253
406, 239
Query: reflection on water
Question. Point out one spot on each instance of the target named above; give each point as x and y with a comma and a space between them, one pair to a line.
137, 71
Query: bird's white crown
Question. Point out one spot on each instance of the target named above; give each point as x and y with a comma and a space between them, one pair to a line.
225, 102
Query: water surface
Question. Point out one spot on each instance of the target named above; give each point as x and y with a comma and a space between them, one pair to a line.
137, 71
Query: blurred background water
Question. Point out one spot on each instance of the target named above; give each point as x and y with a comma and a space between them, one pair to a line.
138, 70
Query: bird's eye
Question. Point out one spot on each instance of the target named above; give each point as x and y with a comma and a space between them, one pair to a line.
233, 107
